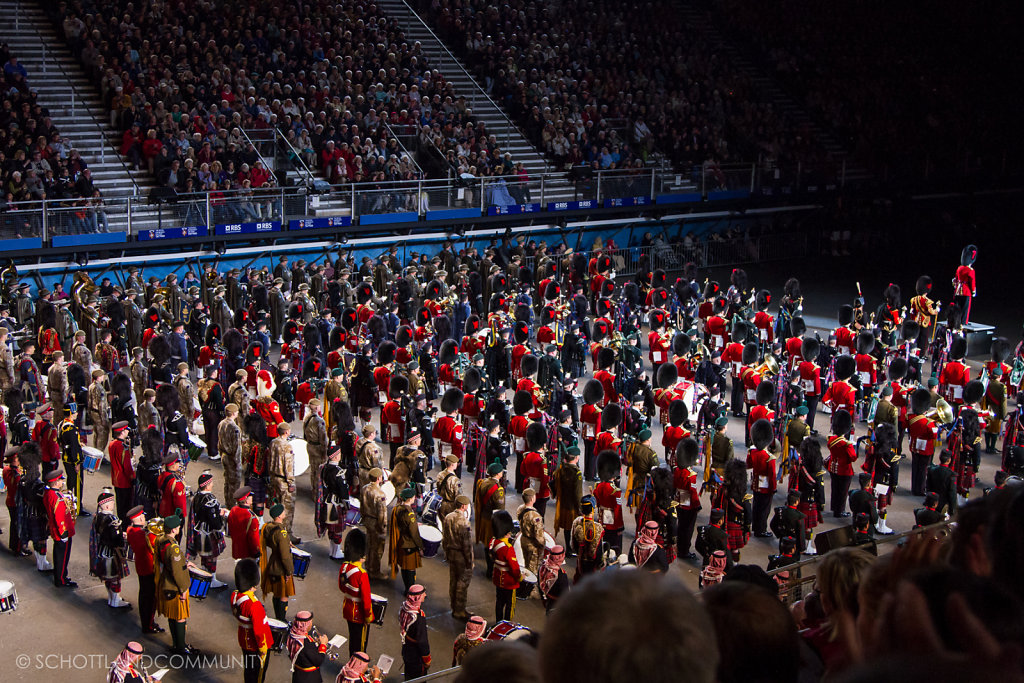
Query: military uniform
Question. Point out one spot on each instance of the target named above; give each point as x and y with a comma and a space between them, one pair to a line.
369, 455
276, 566
449, 487
721, 452
568, 490
587, 538
99, 413
281, 472
531, 536
229, 447
489, 497
172, 582
57, 387
457, 541
139, 371
71, 453
314, 431
186, 397
239, 395
374, 512
405, 546
8, 370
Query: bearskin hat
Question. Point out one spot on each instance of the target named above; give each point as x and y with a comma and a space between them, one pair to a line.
683, 290
797, 327
845, 314
295, 310
234, 342
792, 288
608, 465
920, 401
355, 545
443, 326
240, 318
954, 316
1001, 350
611, 417
312, 368
501, 523
167, 400
658, 319
403, 336
499, 283
547, 315
662, 485
497, 303
46, 315
30, 457
842, 422
452, 400
690, 270
521, 332
659, 297
974, 391
762, 300
892, 295
923, 286
659, 278
593, 392
608, 287
341, 415
605, 358
631, 294
159, 349
739, 333
604, 307
968, 255
599, 331
386, 353
536, 436
349, 318
253, 352
604, 263
750, 353
528, 365
765, 393
551, 291
865, 341
810, 347
522, 402
897, 369
711, 289
523, 312
677, 412
311, 338
290, 332
364, 292
885, 438
761, 432
958, 348
738, 279
377, 328
153, 443
404, 289
336, 338
77, 377
422, 316
526, 273
681, 344
845, 366
719, 304
247, 574
397, 385
212, 334
448, 352
668, 375
471, 381
121, 386
911, 330
472, 325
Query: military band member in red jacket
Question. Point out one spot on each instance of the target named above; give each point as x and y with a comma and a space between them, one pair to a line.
254, 636
60, 517
842, 454
244, 526
354, 584
507, 573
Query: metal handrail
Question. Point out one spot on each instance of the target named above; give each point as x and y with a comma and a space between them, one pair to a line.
458, 65
269, 167
308, 176
412, 157
76, 95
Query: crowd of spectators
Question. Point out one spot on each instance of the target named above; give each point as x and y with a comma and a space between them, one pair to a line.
184, 80
36, 163
907, 91
605, 83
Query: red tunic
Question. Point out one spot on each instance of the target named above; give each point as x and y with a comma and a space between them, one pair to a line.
810, 378
122, 473
608, 498
750, 381
762, 464
866, 369
590, 416
840, 395
545, 335
842, 455
733, 355
60, 516
271, 414
506, 566
657, 348
760, 413
845, 340
965, 283
607, 380
253, 630
394, 422
141, 543
470, 345
518, 351
172, 494
670, 438
449, 433
606, 441
717, 332
382, 377
794, 351
955, 375
535, 470
923, 432
354, 583
45, 434
685, 482
765, 325
244, 530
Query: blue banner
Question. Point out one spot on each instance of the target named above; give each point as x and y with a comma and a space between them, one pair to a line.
679, 198
572, 206
21, 243
615, 202
513, 208
452, 214
89, 239
325, 222
246, 228
172, 233
384, 218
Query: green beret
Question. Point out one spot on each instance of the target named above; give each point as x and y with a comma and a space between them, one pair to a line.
721, 422
495, 468
407, 493
337, 372
802, 410
645, 434
932, 382
275, 510
172, 522
573, 451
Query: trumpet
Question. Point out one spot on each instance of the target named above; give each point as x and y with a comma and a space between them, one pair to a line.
314, 633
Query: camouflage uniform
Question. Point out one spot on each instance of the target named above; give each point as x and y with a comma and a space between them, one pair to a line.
229, 446
99, 414
140, 379
374, 513
531, 526
282, 477
57, 387
369, 455
457, 541
314, 431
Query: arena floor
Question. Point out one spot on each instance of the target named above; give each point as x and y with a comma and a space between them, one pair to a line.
61, 634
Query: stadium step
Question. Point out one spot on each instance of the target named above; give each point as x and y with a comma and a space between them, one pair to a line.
509, 137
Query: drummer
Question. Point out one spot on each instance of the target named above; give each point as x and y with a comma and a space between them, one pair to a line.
206, 528
276, 562
405, 547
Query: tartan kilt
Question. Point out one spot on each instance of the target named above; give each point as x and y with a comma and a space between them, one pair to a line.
812, 515
259, 489
884, 501
737, 536
965, 480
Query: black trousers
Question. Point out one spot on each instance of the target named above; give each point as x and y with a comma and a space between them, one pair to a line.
147, 601
408, 578
613, 539
687, 521
75, 483
13, 541
737, 396
812, 409
61, 557
840, 492
541, 505
254, 666
589, 460
123, 501
762, 506
358, 634
504, 601
394, 446
919, 465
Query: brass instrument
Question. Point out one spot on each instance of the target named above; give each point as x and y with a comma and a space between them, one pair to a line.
83, 285
770, 366
942, 410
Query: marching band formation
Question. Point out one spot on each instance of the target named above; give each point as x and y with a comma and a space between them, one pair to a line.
422, 394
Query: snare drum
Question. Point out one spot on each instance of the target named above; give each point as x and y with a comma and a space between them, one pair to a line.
196, 446
353, 514
300, 560
431, 537
431, 504
201, 580
300, 456
8, 597
91, 459
389, 493
279, 631
527, 585
380, 606
507, 630
549, 542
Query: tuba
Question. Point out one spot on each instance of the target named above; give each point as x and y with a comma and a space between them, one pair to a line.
82, 289
770, 366
943, 411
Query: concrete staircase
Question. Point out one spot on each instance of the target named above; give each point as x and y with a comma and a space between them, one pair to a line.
509, 137
75, 107
770, 90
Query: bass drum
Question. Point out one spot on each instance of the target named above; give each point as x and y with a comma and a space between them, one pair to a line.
508, 630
